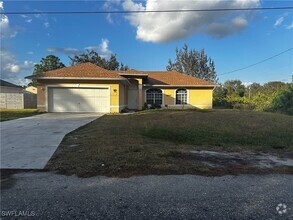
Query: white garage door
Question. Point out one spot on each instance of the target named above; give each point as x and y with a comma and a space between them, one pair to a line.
79, 100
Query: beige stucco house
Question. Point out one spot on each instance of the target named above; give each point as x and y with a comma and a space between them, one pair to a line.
31, 89
89, 88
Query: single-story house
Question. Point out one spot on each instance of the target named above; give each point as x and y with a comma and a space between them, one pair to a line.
11, 95
89, 88
7, 87
16, 97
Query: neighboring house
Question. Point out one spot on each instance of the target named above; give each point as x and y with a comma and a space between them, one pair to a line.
11, 95
31, 89
7, 87
89, 88
15, 97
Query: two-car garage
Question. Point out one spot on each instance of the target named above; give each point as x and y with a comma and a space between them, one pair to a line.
86, 99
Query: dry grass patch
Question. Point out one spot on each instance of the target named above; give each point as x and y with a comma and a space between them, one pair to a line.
156, 142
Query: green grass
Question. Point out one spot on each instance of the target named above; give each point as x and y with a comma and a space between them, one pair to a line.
10, 114
156, 142
226, 129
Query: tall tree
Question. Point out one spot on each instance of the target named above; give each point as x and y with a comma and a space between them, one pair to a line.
194, 63
47, 63
94, 57
234, 87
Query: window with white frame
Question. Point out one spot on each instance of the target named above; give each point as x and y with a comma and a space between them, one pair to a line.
154, 96
181, 97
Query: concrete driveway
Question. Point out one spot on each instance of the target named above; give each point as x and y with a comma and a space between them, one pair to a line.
29, 143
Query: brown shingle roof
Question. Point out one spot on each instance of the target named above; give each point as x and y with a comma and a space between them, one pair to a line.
85, 70
89, 70
175, 78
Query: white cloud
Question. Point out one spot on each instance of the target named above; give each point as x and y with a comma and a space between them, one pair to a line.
11, 68
27, 19
279, 21
66, 50
290, 26
6, 30
30, 53
104, 45
109, 18
46, 24
111, 5
165, 27
102, 48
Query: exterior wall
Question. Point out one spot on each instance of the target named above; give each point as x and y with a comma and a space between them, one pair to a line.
122, 96
41, 97
201, 98
44, 84
7, 89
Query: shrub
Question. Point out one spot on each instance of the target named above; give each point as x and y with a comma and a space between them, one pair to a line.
283, 101
155, 106
145, 106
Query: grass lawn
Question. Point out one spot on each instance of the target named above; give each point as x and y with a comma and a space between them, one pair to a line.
10, 114
160, 141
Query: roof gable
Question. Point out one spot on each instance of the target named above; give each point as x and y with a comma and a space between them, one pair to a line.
84, 70
8, 84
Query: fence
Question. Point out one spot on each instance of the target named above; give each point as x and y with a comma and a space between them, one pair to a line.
18, 100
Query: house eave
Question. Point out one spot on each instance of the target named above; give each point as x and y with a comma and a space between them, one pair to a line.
123, 80
157, 85
132, 74
77, 78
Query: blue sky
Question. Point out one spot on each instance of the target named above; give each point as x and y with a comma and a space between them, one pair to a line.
146, 41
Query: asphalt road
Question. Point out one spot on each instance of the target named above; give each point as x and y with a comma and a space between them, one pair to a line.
42, 195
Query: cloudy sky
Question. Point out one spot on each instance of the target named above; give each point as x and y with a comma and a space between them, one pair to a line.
145, 41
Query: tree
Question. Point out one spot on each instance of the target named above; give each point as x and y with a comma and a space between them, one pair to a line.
123, 68
194, 63
283, 101
48, 63
93, 57
234, 87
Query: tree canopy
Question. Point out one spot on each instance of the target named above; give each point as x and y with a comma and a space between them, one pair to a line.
94, 57
194, 63
272, 96
47, 63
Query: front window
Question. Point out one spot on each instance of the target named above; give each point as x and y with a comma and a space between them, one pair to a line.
181, 97
154, 96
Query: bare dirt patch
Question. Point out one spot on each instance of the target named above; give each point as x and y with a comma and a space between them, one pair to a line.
250, 160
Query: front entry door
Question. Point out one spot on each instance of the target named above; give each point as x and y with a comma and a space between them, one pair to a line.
132, 98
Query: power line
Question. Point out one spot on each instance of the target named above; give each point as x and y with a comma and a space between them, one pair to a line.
147, 11
262, 61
